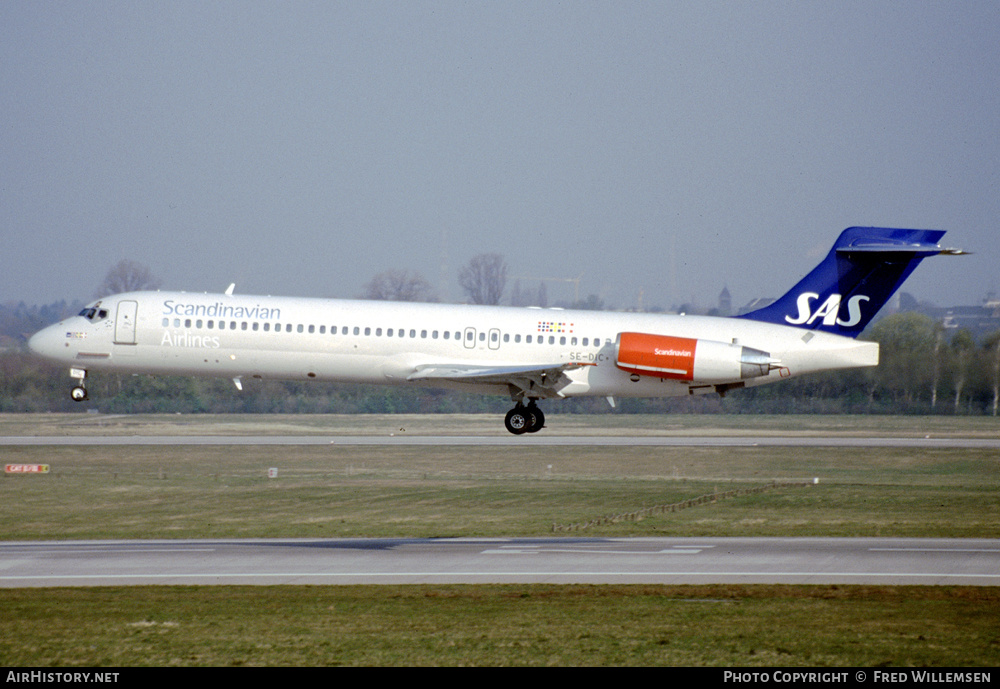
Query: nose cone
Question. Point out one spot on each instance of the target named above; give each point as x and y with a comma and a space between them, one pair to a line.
48, 342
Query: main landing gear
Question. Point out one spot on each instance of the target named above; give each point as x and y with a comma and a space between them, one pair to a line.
524, 419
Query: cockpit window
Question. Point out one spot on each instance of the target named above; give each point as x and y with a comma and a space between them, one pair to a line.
94, 313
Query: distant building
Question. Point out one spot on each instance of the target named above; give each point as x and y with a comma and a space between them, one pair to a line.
725, 302
979, 320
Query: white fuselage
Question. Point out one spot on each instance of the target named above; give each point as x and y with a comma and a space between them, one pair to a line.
244, 337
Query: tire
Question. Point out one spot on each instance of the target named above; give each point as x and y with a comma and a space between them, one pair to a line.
517, 421
539, 421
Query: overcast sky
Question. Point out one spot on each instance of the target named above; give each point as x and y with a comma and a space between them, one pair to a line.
666, 149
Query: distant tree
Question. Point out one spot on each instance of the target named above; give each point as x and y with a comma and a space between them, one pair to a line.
991, 346
591, 303
906, 342
543, 295
127, 276
963, 347
18, 321
483, 278
517, 297
399, 285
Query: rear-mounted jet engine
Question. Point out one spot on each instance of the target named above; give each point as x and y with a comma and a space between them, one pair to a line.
688, 360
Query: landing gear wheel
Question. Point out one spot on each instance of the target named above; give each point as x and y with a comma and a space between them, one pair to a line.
79, 393
539, 418
518, 420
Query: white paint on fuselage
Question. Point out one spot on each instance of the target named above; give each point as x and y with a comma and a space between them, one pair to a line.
173, 336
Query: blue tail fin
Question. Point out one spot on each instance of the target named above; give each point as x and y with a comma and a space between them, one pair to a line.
863, 270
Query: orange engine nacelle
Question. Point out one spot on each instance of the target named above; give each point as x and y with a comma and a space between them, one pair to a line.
682, 358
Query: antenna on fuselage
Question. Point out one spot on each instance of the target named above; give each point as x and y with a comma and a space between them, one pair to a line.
229, 290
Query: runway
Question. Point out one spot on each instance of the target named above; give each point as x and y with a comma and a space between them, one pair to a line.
539, 440
887, 561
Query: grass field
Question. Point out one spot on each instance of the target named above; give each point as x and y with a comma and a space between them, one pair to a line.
340, 491
736, 626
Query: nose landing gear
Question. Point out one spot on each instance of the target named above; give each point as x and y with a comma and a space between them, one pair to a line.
524, 419
79, 393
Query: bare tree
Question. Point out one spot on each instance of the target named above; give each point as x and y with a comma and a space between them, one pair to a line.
127, 276
993, 342
483, 278
399, 285
517, 297
963, 347
543, 295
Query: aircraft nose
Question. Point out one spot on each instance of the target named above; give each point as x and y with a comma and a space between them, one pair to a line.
46, 342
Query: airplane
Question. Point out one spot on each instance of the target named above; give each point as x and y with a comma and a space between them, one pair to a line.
528, 353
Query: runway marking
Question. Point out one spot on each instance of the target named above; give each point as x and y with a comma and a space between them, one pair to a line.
596, 550
71, 549
934, 550
525, 551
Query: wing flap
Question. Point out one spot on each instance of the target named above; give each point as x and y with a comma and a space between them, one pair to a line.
545, 380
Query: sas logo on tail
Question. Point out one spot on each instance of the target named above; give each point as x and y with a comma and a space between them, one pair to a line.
828, 310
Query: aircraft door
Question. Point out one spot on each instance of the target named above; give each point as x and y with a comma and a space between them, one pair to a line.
470, 338
125, 322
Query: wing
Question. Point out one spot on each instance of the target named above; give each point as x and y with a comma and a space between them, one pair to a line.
531, 380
